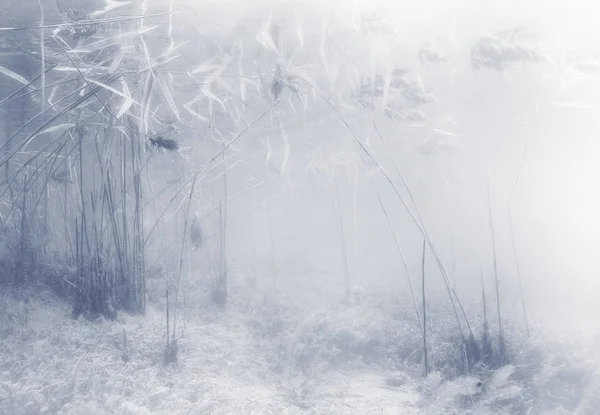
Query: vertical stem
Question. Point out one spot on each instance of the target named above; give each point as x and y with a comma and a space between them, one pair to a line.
183, 251
43, 55
431, 337
221, 245
512, 235
272, 248
224, 224
356, 235
46, 212
7, 145
484, 300
424, 310
77, 255
82, 198
140, 233
453, 262
497, 282
410, 285
486, 340
125, 224
23, 234
132, 283
168, 331
65, 206
342, 239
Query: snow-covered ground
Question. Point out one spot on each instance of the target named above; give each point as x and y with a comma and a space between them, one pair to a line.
259, 357
54, 365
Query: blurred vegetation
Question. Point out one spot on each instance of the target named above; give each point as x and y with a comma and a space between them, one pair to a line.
120, 137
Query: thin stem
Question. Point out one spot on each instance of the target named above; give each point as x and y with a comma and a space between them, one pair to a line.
397, 242
342, 239
424, 310
514, 245
497, 281
512, 235
272, 243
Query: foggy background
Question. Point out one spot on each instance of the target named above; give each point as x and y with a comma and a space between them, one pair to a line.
484, 118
